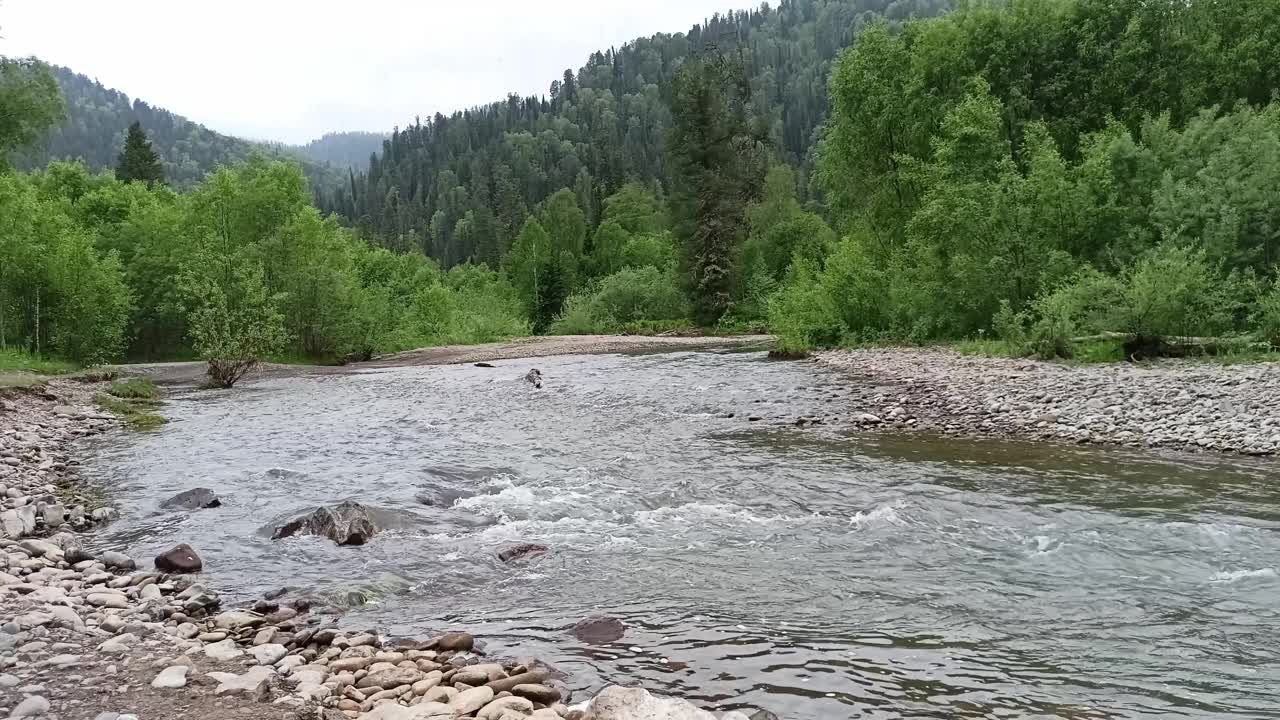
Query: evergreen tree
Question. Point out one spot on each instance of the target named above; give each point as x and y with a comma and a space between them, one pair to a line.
139, 161
717, 166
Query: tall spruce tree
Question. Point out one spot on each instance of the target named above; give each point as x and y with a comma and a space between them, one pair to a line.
139, 161
717, 162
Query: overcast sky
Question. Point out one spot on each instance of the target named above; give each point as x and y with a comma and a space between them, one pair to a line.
291, 70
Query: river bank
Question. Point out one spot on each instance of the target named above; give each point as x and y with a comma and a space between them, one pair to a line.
100, 635
1175, 404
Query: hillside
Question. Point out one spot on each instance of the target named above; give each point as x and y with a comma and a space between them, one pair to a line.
97, 118
460, 186
343, 149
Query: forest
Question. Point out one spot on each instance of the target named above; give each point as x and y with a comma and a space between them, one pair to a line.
833, 171
96, 118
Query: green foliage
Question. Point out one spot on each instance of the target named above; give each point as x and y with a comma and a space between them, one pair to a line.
626, 299
1267, 319
29, 104
1127, 185
803, 314
138, 161
135, 389
233, 321
58, 294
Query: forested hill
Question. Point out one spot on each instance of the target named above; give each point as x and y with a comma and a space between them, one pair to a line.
343, 149
97, 118
461, 186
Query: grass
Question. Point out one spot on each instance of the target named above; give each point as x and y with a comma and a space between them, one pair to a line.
19, 369
132, 400
16, 361
135, 389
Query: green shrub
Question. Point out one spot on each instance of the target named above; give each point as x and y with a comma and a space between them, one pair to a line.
803, 315
1267, 316
629, 296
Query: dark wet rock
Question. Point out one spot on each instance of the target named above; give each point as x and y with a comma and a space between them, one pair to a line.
521, 551
181, 559
265, 607
194, 499
599, 629
274, 594
534, 377
454, 641
347, 523
484, 364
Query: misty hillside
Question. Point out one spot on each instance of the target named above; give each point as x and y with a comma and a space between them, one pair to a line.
97, 118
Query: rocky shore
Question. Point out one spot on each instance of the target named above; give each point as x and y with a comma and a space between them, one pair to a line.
95, 635
1183, 405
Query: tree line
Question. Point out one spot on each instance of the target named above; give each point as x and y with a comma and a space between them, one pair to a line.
96, 119
1033, 170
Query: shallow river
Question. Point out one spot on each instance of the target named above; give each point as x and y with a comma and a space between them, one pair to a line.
815, 574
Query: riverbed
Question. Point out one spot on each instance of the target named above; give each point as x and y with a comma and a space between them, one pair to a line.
820, 571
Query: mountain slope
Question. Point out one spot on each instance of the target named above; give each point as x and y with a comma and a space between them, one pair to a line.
343, 149
97, 118
460, 187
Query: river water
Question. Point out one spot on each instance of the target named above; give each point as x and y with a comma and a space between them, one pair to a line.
810, 572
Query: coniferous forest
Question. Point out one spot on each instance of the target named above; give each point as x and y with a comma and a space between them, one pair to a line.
834, 171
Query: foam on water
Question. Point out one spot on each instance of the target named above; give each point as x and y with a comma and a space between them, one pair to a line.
1234, 576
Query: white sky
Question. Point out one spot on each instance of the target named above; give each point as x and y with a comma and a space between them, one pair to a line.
291, 70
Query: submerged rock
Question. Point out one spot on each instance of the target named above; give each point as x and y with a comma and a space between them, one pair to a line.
347, 523
193, 499
599, 629
523, 550
534, 377
181, 559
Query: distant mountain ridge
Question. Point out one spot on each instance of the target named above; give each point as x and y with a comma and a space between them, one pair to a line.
97, 118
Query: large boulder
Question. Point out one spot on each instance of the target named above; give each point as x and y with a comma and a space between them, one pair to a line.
619, 703
181, 559
347, 523
193, 499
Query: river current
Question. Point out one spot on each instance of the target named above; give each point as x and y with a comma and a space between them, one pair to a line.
810, 571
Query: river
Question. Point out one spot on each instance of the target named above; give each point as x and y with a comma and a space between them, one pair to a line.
757, 564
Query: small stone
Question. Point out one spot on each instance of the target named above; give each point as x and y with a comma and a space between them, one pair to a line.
223, 650
540, 694
172, 677
455, 641
469, 701
269, 654
255, 684
265, 636
34, 706
117, 560
108, 600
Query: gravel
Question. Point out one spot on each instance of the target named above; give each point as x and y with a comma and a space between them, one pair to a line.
1186, 405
